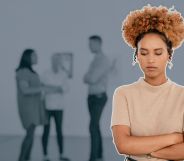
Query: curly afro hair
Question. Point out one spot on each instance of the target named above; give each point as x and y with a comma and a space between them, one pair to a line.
164, 20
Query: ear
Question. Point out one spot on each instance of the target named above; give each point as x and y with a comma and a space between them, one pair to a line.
169, 58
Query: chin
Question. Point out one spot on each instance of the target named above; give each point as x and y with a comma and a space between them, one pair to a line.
151, 75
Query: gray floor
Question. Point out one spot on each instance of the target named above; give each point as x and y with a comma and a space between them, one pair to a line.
76, 148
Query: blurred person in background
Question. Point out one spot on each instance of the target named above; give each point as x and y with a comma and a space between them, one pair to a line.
97, 78
57, 77
29, 98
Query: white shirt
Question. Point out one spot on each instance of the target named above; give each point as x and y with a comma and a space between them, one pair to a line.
98, 74
55, 101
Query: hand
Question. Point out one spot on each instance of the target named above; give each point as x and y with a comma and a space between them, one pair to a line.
55, 89
51, 89
46, 89
153, 154
59, 90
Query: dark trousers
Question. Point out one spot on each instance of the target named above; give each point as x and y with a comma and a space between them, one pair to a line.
58, 117
27, 143
96, 105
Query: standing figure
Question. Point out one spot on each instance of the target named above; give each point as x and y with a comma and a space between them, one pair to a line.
97, 78
148, 115
29, 89
57, 77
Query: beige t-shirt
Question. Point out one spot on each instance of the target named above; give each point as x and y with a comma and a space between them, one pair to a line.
149, 110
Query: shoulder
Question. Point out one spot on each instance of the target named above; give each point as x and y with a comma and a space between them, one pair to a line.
125, 88
177, 87
23, 73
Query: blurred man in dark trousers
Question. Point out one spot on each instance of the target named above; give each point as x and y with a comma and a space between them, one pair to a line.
96, 78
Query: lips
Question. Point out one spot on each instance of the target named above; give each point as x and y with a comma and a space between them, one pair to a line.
151, 68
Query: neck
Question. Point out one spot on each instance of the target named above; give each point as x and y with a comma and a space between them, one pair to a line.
156, 81
99, 53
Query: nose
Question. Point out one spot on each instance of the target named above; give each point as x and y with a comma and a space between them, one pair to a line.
151, 58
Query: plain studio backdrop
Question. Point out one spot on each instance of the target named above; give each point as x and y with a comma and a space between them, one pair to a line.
50, 26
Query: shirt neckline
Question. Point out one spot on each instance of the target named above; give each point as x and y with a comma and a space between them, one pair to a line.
153, 87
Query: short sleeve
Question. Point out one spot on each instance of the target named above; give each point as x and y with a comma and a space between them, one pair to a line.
22, 75
120, 114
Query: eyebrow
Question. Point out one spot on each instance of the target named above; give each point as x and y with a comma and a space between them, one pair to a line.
154, 49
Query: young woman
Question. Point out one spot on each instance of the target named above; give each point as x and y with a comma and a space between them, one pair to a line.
55, 102
30, 107
147, 116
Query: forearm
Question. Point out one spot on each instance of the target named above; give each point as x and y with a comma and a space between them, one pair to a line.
137, 145
31, 90
51, 89
87, 79
26, 89
93, 77
174, 152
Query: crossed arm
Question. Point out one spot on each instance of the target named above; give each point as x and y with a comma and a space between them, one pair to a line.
174, 152
99, 71
167, 146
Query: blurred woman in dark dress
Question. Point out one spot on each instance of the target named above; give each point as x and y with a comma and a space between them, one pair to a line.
29, 98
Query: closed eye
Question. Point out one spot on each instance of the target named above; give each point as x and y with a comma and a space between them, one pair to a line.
144, 53
158, 53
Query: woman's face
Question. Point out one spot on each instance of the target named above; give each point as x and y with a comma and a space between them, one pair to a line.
34, 58
55, 62
152, 55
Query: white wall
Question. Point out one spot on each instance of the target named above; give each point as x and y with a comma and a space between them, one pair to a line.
65, 25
